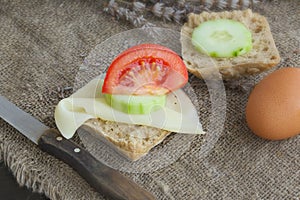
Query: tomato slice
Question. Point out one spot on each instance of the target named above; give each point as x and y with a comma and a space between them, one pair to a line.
146, 69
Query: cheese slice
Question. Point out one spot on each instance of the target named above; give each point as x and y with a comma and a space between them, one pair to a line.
179, 115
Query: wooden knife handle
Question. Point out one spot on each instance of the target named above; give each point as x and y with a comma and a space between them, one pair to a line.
104, 179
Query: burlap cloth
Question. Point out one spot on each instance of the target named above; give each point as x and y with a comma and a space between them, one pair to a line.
43, 43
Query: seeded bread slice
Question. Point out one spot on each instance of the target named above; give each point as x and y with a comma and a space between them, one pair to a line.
263, 56
131, 141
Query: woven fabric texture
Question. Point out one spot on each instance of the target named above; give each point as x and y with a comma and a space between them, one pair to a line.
42, 45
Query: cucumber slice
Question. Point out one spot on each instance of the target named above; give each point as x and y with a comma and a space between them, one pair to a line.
222, 38
133, 104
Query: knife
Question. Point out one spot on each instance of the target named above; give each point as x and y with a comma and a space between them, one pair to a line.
104, 179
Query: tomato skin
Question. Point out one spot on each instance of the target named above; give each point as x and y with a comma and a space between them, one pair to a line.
167, 62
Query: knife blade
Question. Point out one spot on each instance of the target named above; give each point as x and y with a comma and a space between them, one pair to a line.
104, 179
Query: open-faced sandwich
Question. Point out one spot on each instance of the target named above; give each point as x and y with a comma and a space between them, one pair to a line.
135, 104
233, 43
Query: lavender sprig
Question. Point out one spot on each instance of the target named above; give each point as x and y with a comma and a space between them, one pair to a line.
133, 15
134, 11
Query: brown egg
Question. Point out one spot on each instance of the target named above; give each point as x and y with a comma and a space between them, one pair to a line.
273, 108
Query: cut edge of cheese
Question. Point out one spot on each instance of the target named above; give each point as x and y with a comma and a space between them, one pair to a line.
179, 115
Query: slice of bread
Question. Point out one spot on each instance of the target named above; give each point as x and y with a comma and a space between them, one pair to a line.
131, 141
263, 55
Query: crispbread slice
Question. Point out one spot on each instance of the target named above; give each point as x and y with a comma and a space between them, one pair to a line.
263, 56
131, 141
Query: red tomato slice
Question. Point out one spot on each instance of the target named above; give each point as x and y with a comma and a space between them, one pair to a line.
146, 69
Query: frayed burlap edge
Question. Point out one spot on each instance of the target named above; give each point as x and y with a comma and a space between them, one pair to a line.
33, 172
23, 175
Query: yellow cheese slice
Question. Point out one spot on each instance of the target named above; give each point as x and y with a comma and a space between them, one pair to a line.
179, 115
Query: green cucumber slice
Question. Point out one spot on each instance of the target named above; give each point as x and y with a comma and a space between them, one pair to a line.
222, 38
133, 104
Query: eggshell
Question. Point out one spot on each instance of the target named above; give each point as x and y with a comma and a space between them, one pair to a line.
273, 108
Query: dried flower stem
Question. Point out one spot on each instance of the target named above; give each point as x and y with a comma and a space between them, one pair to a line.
134, 11
130, 14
